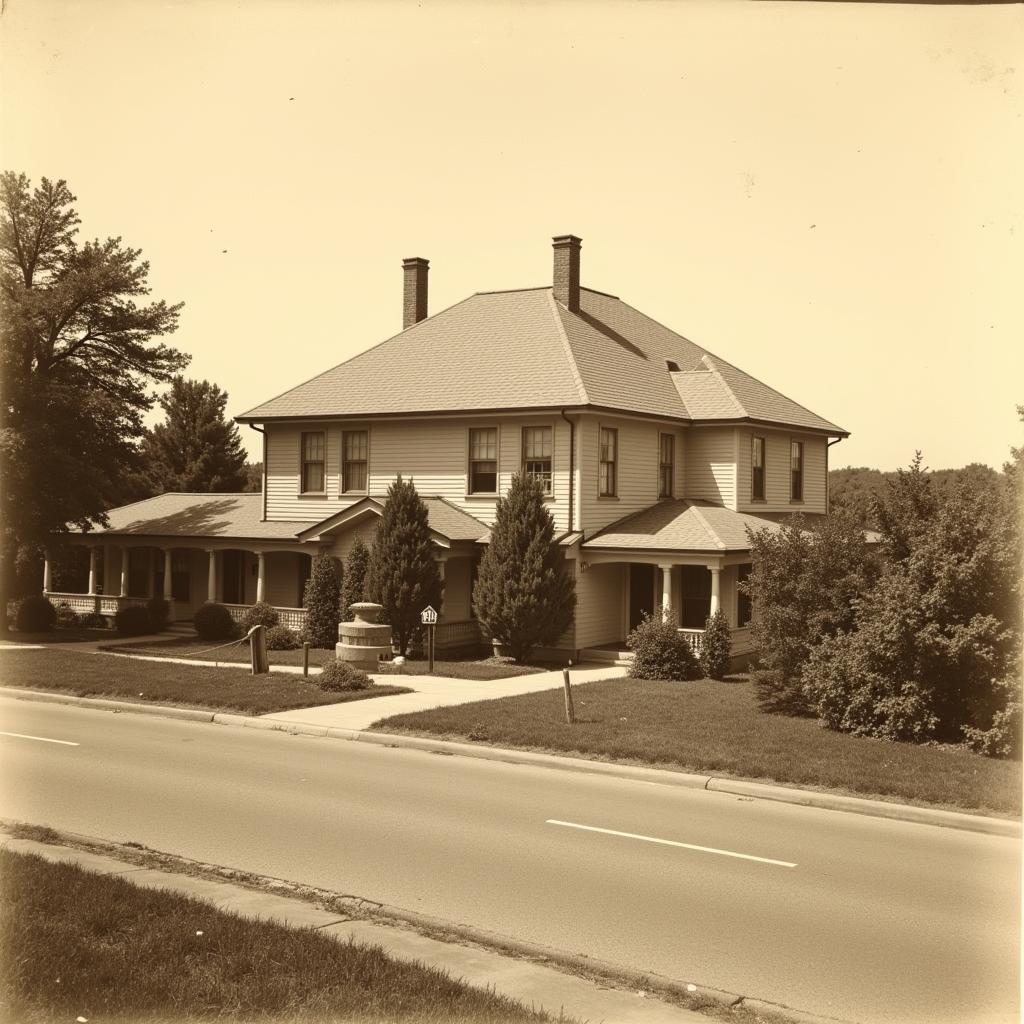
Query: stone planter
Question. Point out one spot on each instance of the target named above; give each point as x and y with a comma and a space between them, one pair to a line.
363, 641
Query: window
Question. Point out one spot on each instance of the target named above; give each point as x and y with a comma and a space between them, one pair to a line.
743, 603
666, 464
607, 455
354, 447
796, 470
537, 455
757, 469
313, 463
483, 460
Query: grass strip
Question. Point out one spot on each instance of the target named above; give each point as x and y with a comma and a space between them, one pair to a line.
199, 686
717, 727
76, 944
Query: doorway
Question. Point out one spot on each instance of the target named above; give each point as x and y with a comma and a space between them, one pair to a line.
641, 592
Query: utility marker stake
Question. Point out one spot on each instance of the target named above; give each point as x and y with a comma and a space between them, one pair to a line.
570, 711
305, 658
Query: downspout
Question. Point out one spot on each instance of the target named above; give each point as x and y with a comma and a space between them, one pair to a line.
572, 466
828, 499
260, 430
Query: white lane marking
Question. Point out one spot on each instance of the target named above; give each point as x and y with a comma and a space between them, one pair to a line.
42, 739
671, 842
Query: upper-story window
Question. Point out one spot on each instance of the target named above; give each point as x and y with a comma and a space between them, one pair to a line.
483, 460
796, 470
757, 469
666, 464
537, 455
313, 446
608, 453
355, 446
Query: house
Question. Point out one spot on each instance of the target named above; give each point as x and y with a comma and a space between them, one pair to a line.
655, 454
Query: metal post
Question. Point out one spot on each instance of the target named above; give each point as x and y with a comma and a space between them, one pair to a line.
305, 658
570, 711
430, 649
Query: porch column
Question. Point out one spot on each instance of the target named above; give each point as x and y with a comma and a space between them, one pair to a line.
261, 587
168, 591
151, 574
715, 584
47, 573
666, 590
211, 576
93, 552
124, 570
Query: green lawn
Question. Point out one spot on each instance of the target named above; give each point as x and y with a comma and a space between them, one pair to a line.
222, 689
71, 635
458, 668
717, 727
80, 945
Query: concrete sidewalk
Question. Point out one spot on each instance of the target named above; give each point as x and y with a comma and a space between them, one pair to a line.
523, 979
434, 692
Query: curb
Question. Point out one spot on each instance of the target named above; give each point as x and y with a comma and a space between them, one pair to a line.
735, 787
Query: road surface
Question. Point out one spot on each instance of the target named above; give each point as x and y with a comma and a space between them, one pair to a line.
848, 916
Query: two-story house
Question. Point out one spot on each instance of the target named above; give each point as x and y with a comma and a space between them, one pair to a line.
655, 455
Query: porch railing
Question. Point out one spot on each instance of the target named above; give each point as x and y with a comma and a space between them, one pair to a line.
694, 639
98, 604
293, 618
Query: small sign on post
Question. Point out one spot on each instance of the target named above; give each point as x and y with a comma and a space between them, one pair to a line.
429, 619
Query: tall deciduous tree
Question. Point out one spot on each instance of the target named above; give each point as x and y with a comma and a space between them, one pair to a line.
78, 358
195, 448
402, 574
523, 595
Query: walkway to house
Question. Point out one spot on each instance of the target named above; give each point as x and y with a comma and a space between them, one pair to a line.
434, 692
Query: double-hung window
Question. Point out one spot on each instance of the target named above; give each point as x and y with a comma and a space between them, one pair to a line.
483, 460
757, 469
354, 451
313, 446
608, 454
666, 464
537, 455
796, 470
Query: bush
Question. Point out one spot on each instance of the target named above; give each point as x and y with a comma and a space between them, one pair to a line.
159, 612
779, 695
281, 638
213, 622
67, 617
132, 621
714, 655
660, 652
260, 614
340, 675
36, 614
321, 603
93, 620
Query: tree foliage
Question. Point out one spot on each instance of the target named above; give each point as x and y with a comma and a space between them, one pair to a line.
402, 573
78, 358
716, 647
354, 582
660, 650
321, 603
523, 595
195, 449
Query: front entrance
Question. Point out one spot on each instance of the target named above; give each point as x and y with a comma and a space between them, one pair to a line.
641, 592
233, 577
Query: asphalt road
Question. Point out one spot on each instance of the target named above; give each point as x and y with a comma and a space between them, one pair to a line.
838, 914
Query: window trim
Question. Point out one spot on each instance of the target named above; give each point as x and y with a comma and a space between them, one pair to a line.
614, 492
548, 495
343, 491
754, 438
496, 427
671, 493
796, 499
303, 434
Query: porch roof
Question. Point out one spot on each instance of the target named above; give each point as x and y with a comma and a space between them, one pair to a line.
680, 525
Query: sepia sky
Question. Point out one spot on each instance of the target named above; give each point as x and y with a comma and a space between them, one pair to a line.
827, 195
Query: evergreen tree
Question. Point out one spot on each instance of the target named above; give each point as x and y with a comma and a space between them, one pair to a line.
354, 584
196, 448
402, 574
523, 596
321, 603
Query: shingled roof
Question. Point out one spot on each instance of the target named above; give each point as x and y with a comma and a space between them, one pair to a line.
523, 349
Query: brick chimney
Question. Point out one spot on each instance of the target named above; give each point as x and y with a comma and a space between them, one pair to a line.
566, 279
414, 304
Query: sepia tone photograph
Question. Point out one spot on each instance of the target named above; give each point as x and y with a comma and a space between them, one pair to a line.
511, 512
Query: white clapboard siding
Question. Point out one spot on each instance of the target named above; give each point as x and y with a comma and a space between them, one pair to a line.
711, 465
599, 603
777, 479
434, 453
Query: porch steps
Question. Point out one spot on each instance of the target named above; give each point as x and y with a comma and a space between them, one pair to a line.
184, 628
609, 655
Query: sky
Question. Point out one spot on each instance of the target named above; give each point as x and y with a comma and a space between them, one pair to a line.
826, 195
